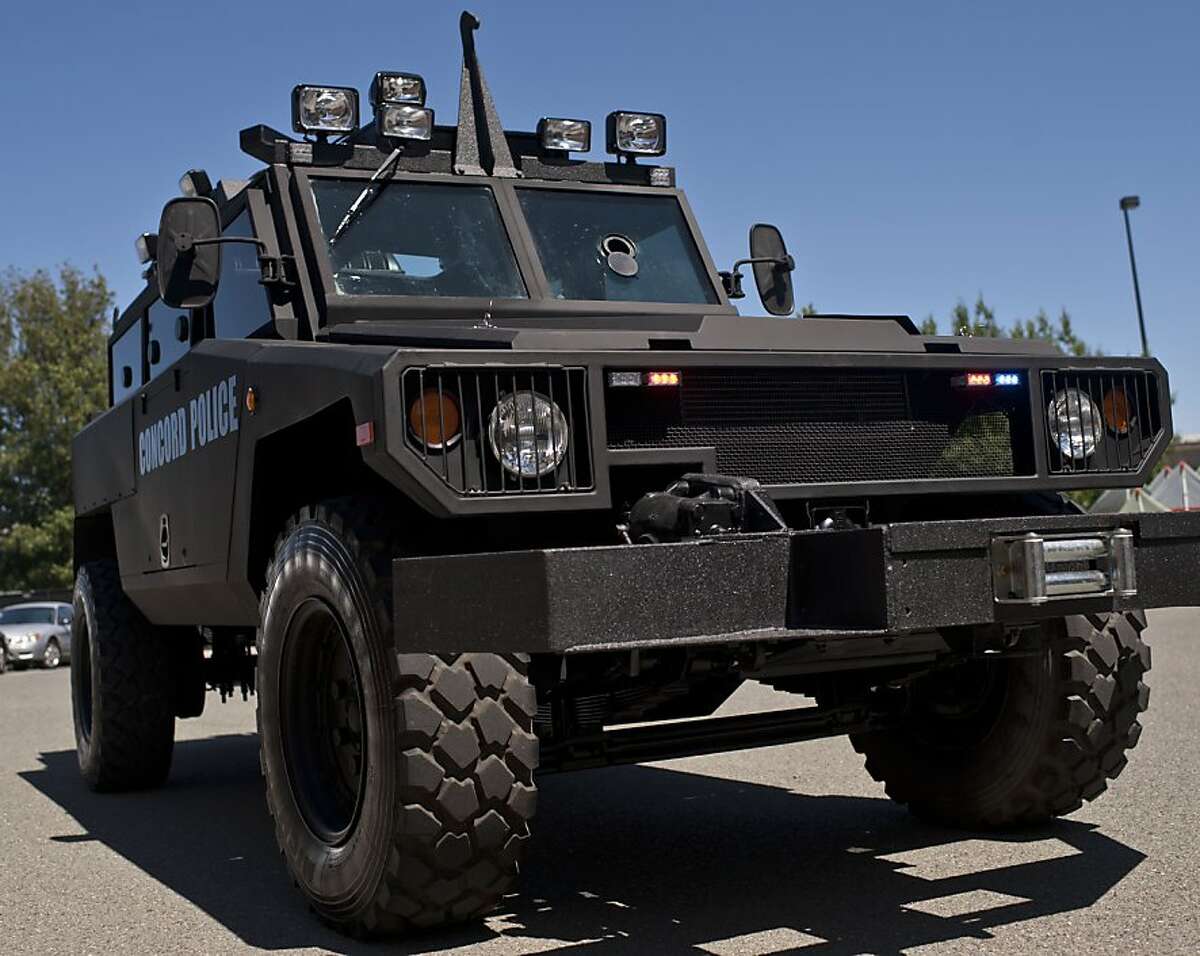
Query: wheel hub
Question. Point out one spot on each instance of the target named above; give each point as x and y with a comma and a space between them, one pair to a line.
322, 723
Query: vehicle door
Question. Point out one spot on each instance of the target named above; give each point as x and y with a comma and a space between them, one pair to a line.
186, 426
64, 630
170, 527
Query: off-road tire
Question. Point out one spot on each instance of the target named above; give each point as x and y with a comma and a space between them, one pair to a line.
1068, 716
120, 686
449, 748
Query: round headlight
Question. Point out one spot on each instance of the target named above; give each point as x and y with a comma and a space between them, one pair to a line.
1075, 423
528, 434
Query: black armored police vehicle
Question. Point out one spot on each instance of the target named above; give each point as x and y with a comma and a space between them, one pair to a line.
455, 449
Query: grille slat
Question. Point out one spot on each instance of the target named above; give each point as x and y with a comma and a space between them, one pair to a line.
807, 426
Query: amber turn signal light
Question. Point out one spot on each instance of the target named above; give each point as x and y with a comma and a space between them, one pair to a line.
1117, 415
662, 378
435, 419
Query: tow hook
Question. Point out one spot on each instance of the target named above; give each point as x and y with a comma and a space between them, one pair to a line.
699, 506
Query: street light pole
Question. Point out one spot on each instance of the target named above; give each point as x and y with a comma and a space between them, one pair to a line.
1127, 203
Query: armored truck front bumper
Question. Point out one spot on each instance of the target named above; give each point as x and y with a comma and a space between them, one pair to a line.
883, 581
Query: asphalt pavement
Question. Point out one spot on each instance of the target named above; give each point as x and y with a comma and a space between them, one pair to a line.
785, 849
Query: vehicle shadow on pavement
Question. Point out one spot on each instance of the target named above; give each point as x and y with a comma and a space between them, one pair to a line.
628, 860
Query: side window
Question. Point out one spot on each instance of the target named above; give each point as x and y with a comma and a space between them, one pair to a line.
64, 618
168, 336
127, 363
240, 307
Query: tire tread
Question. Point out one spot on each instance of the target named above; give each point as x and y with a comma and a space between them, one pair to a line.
133, 739
465, 731
1099, 694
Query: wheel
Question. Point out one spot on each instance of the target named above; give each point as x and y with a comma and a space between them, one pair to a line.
120, 686
401, 784
52, 656
1023, 739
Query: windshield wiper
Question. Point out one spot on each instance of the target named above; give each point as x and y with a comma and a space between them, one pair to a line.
365, 197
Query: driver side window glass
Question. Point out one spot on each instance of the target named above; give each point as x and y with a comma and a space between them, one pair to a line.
240, 308
168, 337
127, 363
64, 618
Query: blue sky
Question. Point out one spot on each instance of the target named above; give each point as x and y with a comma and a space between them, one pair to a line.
914, 154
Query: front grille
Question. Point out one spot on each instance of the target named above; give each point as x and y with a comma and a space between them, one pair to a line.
809, 426
468, 465
1126, 398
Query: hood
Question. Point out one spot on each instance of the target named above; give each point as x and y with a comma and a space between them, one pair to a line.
827, 333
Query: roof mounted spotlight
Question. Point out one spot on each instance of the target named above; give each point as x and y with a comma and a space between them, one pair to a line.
323, 110
146, 246
395, 88
195, 182
557, 135
636, 134
404, 122
399, 103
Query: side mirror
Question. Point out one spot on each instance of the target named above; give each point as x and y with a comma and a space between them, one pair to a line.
189, 252
772, 269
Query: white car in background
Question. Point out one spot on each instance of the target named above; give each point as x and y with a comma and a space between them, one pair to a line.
35, 633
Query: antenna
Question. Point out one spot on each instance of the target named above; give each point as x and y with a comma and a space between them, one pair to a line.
480, 148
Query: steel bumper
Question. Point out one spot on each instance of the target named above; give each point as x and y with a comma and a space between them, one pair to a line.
886, 580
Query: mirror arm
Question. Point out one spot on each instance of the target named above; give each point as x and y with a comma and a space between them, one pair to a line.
271, 268
787, 263
732, 280
221, 240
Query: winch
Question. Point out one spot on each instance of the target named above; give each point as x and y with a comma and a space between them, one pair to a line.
699, 505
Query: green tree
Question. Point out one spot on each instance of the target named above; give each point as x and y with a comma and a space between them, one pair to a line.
1061, 333
980, 320
53, 380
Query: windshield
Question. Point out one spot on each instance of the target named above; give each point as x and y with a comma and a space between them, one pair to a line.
27, 615
615, 246
420, 239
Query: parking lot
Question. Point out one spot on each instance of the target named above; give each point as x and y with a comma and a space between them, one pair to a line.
777, 850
